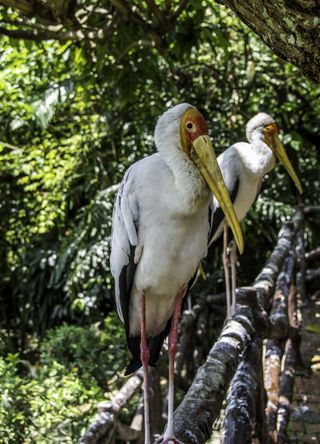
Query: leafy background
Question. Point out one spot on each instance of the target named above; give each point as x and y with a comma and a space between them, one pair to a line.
74, 115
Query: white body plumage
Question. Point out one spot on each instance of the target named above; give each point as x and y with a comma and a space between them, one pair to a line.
162, 211
243, 166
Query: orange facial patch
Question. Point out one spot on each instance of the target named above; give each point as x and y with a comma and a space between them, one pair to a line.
271, 129
193, 125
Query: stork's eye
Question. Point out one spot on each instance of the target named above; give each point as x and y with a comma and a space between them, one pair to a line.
271, 128
190, 126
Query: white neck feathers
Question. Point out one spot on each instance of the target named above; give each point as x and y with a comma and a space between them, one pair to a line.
263, 159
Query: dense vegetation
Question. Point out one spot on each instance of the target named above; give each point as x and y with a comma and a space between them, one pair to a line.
74, 115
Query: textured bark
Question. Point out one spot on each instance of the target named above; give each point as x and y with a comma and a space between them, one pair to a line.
186, 344
272, 368
52, 12
265, 282
290, 29
280, 416
313, 255
293, 308
295, 321
72, 16
103, 429
279, 320
241, 402
301, 262
260, 434
137, 421
201, 405
283, 323
238, 343
286, 391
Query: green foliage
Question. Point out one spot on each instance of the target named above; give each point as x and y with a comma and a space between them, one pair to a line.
98, 353
56, 399
74, 116
54, 406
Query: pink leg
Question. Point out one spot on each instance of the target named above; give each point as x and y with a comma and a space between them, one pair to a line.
233, 261
225, 260
173, 338
144, 356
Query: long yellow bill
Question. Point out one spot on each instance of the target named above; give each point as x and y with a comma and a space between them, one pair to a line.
205, 159
280, 152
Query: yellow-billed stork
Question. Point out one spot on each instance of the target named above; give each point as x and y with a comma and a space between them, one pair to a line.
243, 167
160, 233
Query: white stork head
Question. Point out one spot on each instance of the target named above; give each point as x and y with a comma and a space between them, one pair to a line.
263, 127
184, 128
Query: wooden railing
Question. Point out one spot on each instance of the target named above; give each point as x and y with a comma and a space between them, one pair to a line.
251, 366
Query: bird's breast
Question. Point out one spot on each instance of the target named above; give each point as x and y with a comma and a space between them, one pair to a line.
248, 190
172, 250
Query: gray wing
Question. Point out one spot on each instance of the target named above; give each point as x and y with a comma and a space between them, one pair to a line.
124, 241
228, 161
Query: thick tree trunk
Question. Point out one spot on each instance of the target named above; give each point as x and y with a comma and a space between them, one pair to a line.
290, 29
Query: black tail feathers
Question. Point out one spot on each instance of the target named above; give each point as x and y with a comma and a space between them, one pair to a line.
133, 366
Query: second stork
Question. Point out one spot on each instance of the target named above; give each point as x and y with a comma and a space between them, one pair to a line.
243, 167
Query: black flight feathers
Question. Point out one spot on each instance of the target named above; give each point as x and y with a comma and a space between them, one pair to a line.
155, 343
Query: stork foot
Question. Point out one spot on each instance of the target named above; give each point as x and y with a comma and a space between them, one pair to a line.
171, 440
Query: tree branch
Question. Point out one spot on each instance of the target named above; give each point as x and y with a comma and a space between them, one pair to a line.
194, 417
202, 403
62, 36
288, 28
50, 12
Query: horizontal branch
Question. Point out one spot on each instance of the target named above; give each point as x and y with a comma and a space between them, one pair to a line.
63, 36
313, 275
313, 255
106, 420
311, 209
52, 12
